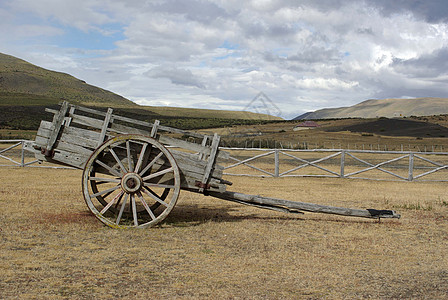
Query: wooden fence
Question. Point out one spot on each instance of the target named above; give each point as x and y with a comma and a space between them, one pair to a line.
339, 163
336, 163
13, 154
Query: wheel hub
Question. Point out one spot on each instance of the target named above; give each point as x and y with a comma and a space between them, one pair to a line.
131, 183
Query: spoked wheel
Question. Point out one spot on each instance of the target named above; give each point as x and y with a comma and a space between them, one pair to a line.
131, 181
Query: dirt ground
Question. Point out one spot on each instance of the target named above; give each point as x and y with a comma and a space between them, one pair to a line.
53, 248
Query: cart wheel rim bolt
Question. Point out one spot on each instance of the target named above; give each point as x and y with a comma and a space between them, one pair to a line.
131, 183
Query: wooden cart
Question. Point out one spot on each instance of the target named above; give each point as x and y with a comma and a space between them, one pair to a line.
134, 170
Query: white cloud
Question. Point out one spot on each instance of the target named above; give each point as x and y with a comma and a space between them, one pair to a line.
220, 54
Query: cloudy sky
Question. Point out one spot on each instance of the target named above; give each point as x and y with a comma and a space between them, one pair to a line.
304, 55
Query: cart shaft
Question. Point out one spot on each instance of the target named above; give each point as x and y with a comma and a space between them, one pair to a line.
294, 206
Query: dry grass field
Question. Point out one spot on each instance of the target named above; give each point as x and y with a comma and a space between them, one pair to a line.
53, 248
320, 138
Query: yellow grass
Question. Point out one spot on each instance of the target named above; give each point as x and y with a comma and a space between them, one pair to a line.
53, 248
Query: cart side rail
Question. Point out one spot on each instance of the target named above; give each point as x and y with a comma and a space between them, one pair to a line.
75, 133
116, 125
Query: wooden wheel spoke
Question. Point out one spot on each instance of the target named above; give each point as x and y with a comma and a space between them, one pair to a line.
157, 174
105, 191
134, 210
166, 186
123, 169
151, 194
142, 200
140, 158
162, 197
122, 208
151, 164
111, 170
112, 202
131, 181
128, 153
100, 180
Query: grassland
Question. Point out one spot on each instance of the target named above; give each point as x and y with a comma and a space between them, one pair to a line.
281, 134
52, 248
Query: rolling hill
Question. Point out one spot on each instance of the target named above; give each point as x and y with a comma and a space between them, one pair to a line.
22, 83
383, 108
19, 78
26, 90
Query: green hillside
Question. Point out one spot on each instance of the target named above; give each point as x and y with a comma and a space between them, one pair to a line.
26, 90
20, 79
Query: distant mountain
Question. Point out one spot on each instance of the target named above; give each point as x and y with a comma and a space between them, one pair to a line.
383, 108
18, 77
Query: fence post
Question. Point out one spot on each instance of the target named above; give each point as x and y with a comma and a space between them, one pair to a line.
277, 167
22, 161
342, 163
411, 167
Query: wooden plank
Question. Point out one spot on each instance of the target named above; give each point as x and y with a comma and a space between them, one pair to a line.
106, 122
90, 111
210, 161
87, 121
76, 136
204, 143
56, 126
68, 147
191, 146
69, 120
193, 160
68, 137
303, 206
134, 121
185, 163
66, 158
141, 123
122, 129
155, 128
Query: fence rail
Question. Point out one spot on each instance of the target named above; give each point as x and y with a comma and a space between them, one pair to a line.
335, 163
340, 163
14, 155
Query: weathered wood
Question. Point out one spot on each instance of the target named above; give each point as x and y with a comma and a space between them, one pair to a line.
309, 163
132, 185
115, 128
250, 166
155, 128
342, 175
87, 121
411, 167
276, 163
377, 166
106, 122
56, 126
64, 157
81, 133
191, 146
210, 162
133, 121
240, 162
303, 206
203, 144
